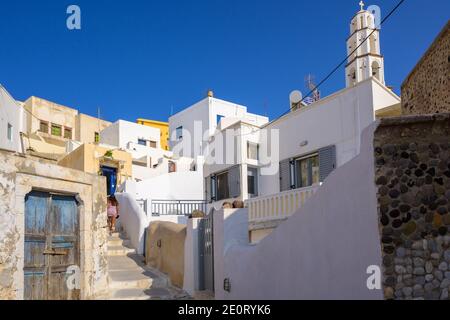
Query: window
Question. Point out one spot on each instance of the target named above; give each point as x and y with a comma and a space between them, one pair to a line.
252, 181
172, 167
68, 133
153, 144
179, 133
43, 127
376, 70
56, 130
307, 171
252, 151
142, 142
10, 133
219, 118
96, 137
222, 186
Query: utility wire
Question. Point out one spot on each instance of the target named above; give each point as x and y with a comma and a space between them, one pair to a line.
334, 70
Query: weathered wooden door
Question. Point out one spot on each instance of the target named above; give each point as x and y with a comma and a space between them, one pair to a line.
51, 246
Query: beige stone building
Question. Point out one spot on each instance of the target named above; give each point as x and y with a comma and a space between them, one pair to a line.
102, 160
51, 125
427, 88
53, 238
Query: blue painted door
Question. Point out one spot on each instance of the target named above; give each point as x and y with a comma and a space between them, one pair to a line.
51, 246
111, 179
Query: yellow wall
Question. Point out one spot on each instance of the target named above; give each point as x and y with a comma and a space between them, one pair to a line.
163, 126
89, 158
87, 126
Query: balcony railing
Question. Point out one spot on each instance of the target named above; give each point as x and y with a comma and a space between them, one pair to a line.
278, 206
171, 207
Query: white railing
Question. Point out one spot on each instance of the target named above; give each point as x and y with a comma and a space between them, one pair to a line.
278, 206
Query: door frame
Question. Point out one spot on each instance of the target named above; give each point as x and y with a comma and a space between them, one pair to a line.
79, 204
26, 183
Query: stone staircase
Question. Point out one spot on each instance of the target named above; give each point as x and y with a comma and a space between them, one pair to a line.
131, 279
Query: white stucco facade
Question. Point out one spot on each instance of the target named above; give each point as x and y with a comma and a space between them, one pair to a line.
322, 252
122, 133
337, 120
206, 113
12, 122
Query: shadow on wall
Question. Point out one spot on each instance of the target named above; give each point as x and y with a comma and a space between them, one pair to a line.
133, 220
323, 250
165, 249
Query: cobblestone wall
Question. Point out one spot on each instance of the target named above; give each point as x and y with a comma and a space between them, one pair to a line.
412, 157
427, 88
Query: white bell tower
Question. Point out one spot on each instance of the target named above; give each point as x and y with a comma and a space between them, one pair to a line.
367, 60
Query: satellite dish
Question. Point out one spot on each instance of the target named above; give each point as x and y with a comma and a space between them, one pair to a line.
295, 97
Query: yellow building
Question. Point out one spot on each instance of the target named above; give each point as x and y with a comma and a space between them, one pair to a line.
115, 165
162, 126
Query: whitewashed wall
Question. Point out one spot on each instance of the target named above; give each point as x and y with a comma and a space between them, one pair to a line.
206, 111
123, 132
13, 113
335, 120
321, 252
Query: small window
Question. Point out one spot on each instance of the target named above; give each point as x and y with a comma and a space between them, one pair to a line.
96, 137
10, 133
142, 142
179, 132
172, 167
56, 130
152, 144
43, 127
252, 151
68, 133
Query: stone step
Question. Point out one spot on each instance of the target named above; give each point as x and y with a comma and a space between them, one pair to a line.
130, 294
139, 279
123, 263
114, 242
119, 251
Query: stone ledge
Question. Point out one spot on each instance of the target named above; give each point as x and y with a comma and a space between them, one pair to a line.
413, 119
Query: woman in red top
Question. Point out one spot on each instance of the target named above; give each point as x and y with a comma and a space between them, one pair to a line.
113, 213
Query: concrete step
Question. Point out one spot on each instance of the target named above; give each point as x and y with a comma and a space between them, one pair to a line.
120, 251
126, 263
138, 279
114, 242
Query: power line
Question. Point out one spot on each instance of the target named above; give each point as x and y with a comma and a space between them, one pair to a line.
334, 69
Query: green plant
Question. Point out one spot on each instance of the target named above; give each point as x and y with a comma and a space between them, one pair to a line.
109, 154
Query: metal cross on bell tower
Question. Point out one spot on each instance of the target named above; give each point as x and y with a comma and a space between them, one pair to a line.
361, 4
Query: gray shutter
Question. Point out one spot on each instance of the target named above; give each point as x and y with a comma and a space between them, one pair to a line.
285, 175
327, 161
234, 182
208, 189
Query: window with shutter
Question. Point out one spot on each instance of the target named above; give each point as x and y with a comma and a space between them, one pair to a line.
327, 161
285, 175
234, 182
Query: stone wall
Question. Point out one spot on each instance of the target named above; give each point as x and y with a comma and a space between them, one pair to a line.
19, 175
412, 157
426, 90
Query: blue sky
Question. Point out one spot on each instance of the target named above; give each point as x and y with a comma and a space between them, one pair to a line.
141, 58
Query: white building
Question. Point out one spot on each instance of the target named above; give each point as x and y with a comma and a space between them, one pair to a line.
205, 116
144, 145
12, 122
366, 61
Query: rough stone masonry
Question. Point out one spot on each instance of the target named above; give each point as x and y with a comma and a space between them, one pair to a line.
412, 157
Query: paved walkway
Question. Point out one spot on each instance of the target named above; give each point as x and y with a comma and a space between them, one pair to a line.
131, 279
